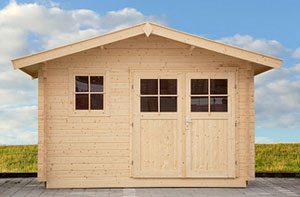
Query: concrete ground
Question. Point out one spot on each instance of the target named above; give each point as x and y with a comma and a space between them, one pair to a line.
259, 187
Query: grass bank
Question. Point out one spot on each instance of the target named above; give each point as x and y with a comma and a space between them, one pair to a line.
277, 157
20, 158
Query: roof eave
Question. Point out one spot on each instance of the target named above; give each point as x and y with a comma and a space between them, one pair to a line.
148, 29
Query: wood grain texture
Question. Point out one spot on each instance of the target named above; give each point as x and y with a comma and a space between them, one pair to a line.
98, 151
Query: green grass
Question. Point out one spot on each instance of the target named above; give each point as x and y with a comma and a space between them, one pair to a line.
269, 158
277, 157
18, 158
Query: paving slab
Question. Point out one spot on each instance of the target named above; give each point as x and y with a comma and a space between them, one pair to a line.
260, 187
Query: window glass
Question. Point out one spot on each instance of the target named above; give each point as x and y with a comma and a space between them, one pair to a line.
96, 101
218, 104
96, 83
82, 102
149, 104
168, 104
149, 86
199, 104
168, 86
89, 100
199, 86
218, 86
82, 84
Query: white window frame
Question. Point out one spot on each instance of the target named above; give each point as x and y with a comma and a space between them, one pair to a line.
72, 92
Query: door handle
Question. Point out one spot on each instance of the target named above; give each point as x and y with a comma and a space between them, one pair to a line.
187, 122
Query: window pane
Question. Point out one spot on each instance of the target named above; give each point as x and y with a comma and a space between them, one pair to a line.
218, 86
82, 83
199, 86
149, 86
96, 101
96, 83
168, 104
218, 104
168, 86
82, 101
149, 104
199, 104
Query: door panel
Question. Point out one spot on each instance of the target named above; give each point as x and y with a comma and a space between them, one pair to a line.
157, 130
210, 142
208, 145
159, 146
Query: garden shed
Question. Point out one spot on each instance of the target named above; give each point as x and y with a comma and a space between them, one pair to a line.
146, 106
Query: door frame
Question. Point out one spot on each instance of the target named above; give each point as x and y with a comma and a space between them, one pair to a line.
234, 70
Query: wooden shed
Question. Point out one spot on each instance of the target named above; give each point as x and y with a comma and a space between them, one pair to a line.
146, 106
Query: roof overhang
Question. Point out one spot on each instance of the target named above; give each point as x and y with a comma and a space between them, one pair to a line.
29, 64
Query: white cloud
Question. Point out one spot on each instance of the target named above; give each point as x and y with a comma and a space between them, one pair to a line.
58, 26
127, 17
62, 38
29, 27
296, 54
264, 140
277, 98
296, 68
270, 47
18, 125
272, 75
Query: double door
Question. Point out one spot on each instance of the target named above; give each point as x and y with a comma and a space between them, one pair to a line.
183, 124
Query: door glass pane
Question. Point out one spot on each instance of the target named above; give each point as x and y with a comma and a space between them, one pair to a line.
96, 83
149, 86
97, 101
149, 104
168, 104
218, 104
82, 101
199, 104
218, 86
168, 86
199, 86
82, 83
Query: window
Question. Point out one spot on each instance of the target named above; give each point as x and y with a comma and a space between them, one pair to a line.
89, 92
158, 95
209, 95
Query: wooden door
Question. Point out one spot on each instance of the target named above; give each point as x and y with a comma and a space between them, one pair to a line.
157, 124
210, 124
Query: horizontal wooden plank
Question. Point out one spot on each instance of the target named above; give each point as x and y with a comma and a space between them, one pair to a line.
87, 167
89, 182
98, 173
88, 134
87, 160
88, 119
86, 153
150, 52
56, 140
89, 126
150, 59
216, 65
89, 146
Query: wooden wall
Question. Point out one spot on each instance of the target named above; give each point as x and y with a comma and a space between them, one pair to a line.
91, 151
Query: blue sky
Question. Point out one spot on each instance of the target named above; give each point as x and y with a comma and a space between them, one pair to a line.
270, 27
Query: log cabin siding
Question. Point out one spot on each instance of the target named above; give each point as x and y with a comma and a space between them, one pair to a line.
85, 151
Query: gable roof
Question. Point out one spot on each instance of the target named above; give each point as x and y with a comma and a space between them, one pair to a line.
29, 64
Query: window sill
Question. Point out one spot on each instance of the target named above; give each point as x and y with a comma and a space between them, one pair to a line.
88, 113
